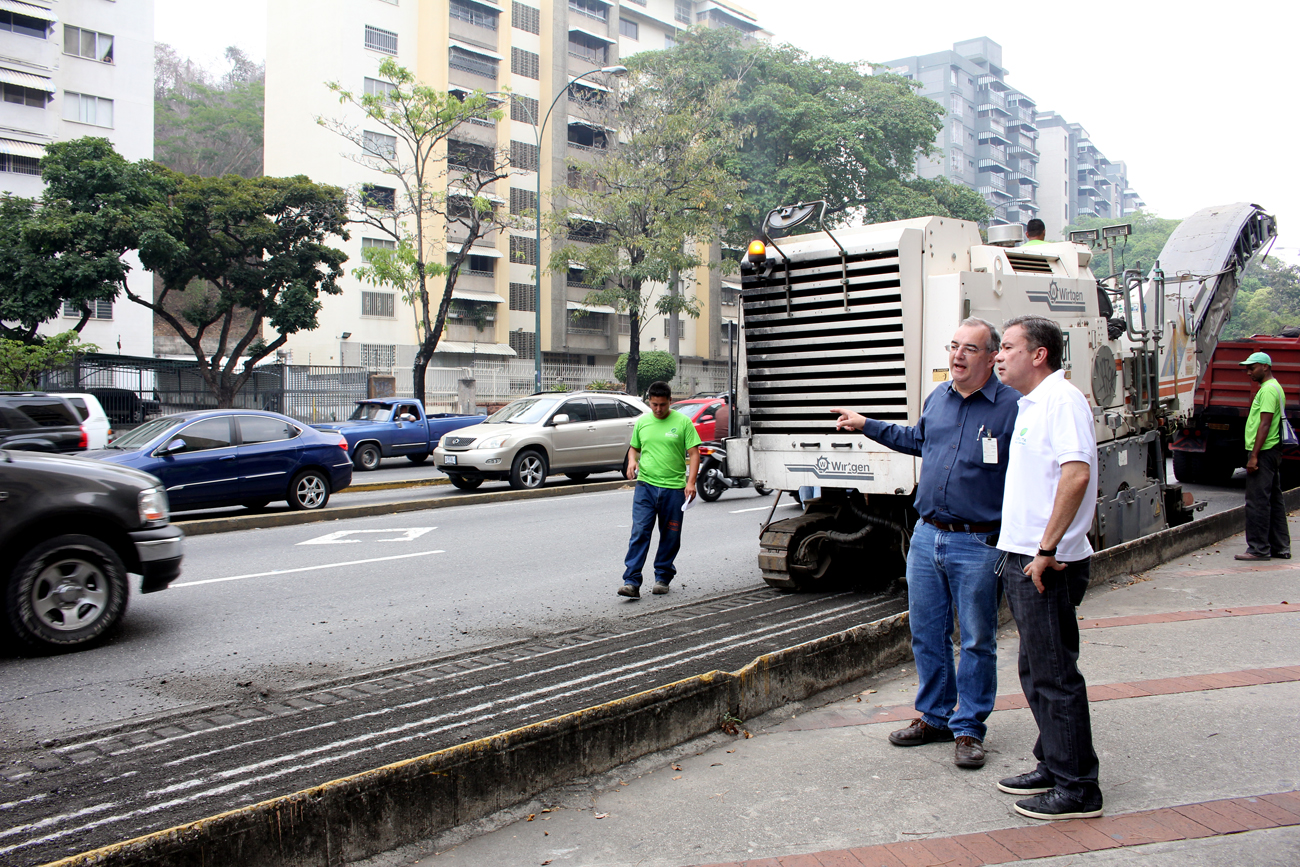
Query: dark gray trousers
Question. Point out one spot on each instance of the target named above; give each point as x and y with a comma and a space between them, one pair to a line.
1266, 530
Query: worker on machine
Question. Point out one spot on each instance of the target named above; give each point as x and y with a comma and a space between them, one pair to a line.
1035, 233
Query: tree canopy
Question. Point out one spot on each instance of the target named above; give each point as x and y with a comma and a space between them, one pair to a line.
1139, 250
206, 124
1267, 300
21, 364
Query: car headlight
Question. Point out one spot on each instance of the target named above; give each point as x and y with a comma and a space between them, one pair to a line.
153, 506
493, 442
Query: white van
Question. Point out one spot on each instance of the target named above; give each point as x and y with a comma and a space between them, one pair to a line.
93, 418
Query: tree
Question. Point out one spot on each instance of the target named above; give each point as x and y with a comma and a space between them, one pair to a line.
656, 366
655, 199
67, 247
439, 180
21, 363
237, 254
1139, 250
816, 128
1267, 300
204, 124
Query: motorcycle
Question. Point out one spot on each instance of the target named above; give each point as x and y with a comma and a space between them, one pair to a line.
713, 478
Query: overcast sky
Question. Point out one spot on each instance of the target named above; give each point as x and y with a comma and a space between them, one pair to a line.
1199, 100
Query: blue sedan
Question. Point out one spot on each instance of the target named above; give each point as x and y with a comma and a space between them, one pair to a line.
230, 457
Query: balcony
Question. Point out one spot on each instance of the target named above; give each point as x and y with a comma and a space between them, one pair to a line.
992, 152
992, 165
991, 82
991, 183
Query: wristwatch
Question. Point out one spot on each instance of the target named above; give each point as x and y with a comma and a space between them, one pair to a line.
1047, 552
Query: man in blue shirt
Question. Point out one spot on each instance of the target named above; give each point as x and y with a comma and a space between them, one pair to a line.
962, 439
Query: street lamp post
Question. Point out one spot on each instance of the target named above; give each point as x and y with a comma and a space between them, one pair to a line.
538, 130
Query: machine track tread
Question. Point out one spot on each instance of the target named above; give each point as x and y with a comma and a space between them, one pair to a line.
775, 545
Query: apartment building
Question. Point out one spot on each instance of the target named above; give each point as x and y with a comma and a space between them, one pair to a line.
73, 68
989, 140
1078, 181
535, 50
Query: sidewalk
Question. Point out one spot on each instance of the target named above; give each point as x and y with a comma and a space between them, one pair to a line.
1194, 674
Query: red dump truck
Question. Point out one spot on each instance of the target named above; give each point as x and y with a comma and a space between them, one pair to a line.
1211, 446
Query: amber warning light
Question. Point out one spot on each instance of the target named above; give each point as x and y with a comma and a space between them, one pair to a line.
757, 250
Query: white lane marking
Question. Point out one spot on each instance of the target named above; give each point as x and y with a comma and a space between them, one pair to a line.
12, 804
45, 823
764, 508
408, 534
303, 569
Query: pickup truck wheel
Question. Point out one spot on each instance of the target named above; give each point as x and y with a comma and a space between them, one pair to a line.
528, 470
367, 457
578, 477
464, 482
309, 490
417, 459
66, 593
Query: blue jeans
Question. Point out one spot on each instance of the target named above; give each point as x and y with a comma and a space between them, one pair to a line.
946, 571
1049, 672
651, 505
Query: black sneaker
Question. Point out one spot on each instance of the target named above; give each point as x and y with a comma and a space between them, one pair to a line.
1057, 805
660, 588
630, 590
1031, 783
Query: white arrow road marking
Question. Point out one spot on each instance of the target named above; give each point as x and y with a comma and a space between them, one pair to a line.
304, 569
408, 534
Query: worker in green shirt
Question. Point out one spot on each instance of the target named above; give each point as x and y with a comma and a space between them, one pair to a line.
1266, 531
664, 459
1035, 233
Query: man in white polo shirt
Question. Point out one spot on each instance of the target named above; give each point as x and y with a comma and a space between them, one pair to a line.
1047, 510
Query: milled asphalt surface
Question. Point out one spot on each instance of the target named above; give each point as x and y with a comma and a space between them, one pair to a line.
818, 782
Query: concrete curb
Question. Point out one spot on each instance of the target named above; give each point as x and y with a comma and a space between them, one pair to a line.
406, 802
363, 487
208, 526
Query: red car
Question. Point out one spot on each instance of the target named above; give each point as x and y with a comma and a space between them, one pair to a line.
703, 412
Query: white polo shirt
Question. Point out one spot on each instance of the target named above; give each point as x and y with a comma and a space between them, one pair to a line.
1054, 426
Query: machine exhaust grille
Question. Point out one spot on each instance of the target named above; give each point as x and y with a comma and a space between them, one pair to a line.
1023, 264
817, 355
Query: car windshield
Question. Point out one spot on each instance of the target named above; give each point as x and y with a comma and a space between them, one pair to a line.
687, 408
371, 412
137, 437
528, 410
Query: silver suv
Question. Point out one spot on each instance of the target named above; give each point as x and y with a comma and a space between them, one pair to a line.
530, 438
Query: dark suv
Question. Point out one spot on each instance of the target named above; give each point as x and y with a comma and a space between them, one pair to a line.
39, 423
71, 530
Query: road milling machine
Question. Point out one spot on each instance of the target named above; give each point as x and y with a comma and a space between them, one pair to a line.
862, 317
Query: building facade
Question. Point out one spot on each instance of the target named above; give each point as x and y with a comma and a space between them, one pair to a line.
989, 140
73, 68
1078, 181
534, 50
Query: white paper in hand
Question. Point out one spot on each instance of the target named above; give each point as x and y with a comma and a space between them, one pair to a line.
689, 503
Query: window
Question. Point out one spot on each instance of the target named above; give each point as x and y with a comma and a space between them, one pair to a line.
524, 343
479, 266
381, 40
24, 25
958, 106
368, 244
629, 28
378, 356
99, 309
522, 296
585, 137
624, 323
954, 161
587, 231
522, 201
380, 304
379, 198
581, 48
474, 14
523, 156
682, 11
577, 409
952, 75
669, 42
587, 323
591, 8
577, 277
378, 87
379, 144
83, 108
264, 429
20, 165
681, 327
606, 408
523, 250
470, 156
87, 43
202, 436
471, 62
580, 93
526, 18
523, 109
525, 63
19, 95
730, 295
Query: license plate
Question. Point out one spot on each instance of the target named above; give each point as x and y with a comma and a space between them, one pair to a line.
451, 460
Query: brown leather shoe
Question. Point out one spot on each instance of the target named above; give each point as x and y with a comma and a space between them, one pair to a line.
918, 733
970, 752
1249, 556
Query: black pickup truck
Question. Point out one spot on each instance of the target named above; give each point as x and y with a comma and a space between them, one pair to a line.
71, 531
40, 423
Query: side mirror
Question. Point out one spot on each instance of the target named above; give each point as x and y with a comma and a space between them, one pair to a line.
176, 445
561, 418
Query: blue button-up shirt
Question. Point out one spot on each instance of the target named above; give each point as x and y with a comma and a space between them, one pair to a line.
956, 485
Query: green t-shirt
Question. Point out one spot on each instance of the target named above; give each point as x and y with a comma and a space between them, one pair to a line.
1269, 398
663, 446
1034, 243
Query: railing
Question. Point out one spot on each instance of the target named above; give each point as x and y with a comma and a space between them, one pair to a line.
587, 53
574, 7
583, 147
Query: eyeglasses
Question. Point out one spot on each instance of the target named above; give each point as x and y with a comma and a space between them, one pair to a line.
965, 349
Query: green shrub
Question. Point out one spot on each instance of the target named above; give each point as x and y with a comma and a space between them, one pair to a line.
655, 366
